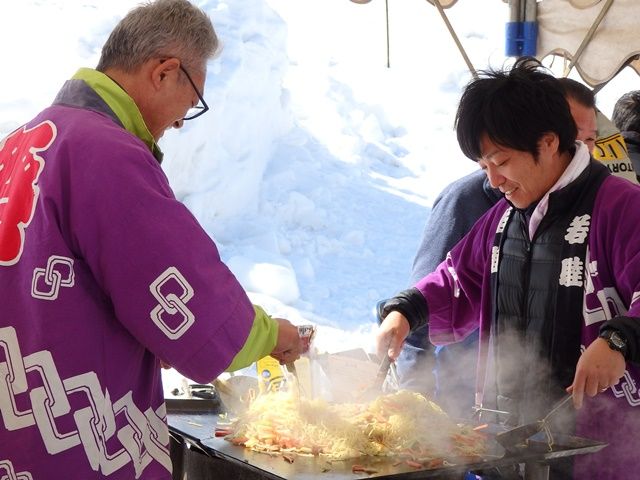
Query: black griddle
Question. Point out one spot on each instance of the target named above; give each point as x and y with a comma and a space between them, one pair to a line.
197, 420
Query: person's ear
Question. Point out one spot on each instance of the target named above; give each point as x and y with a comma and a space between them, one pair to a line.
162, 70
549, 142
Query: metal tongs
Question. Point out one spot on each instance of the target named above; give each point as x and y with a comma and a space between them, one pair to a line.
386, 368
516, 436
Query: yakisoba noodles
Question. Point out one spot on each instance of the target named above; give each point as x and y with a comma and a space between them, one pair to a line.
403, 424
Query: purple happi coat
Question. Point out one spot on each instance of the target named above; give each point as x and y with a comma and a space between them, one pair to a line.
459, 293
102, 274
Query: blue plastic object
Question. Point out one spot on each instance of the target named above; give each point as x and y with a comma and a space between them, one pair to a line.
521, 39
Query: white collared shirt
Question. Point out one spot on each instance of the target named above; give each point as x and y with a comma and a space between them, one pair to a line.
577, 165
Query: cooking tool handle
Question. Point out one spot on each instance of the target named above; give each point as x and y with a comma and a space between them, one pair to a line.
385, 363
557, 406
291, 368
383, 370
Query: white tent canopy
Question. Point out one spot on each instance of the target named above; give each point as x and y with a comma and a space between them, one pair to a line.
597, 37
563, 26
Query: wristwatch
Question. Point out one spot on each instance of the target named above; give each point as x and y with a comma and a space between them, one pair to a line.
616, 340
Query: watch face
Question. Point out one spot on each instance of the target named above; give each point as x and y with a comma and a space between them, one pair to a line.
617, 340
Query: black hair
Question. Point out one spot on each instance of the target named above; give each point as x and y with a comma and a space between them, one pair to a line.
626, 113
514, 108
578, 91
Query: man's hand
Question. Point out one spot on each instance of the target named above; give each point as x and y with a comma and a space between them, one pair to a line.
391, 334
599, 368
289, 345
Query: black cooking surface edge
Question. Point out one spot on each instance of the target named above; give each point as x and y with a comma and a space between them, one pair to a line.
197, 420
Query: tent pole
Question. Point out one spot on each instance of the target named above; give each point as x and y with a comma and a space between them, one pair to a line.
455, 38
530, 13
386, 2
515, 11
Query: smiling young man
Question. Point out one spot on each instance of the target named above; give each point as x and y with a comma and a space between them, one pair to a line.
103, 273
446, 372
550, 275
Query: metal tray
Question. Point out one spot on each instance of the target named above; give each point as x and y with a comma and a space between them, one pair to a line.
193, 418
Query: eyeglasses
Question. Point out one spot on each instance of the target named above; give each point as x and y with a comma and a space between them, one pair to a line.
201, 108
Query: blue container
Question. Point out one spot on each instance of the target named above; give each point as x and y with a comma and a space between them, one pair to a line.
521, 39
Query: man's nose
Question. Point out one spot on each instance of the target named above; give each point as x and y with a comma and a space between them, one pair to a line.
495, 179
178, 123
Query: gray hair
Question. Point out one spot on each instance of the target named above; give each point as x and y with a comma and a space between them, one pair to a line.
626, 113
160, 28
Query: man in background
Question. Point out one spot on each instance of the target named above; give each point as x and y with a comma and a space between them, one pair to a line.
626, 117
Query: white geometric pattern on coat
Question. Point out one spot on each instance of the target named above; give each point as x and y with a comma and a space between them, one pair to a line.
607, 301
145, 436
11, 474
627, 388
59, 273
172, 304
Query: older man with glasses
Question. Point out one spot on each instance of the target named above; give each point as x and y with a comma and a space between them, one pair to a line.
201, 108
103, 273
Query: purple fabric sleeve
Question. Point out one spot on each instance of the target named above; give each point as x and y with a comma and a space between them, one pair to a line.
126, 224
615, 245
454, 292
